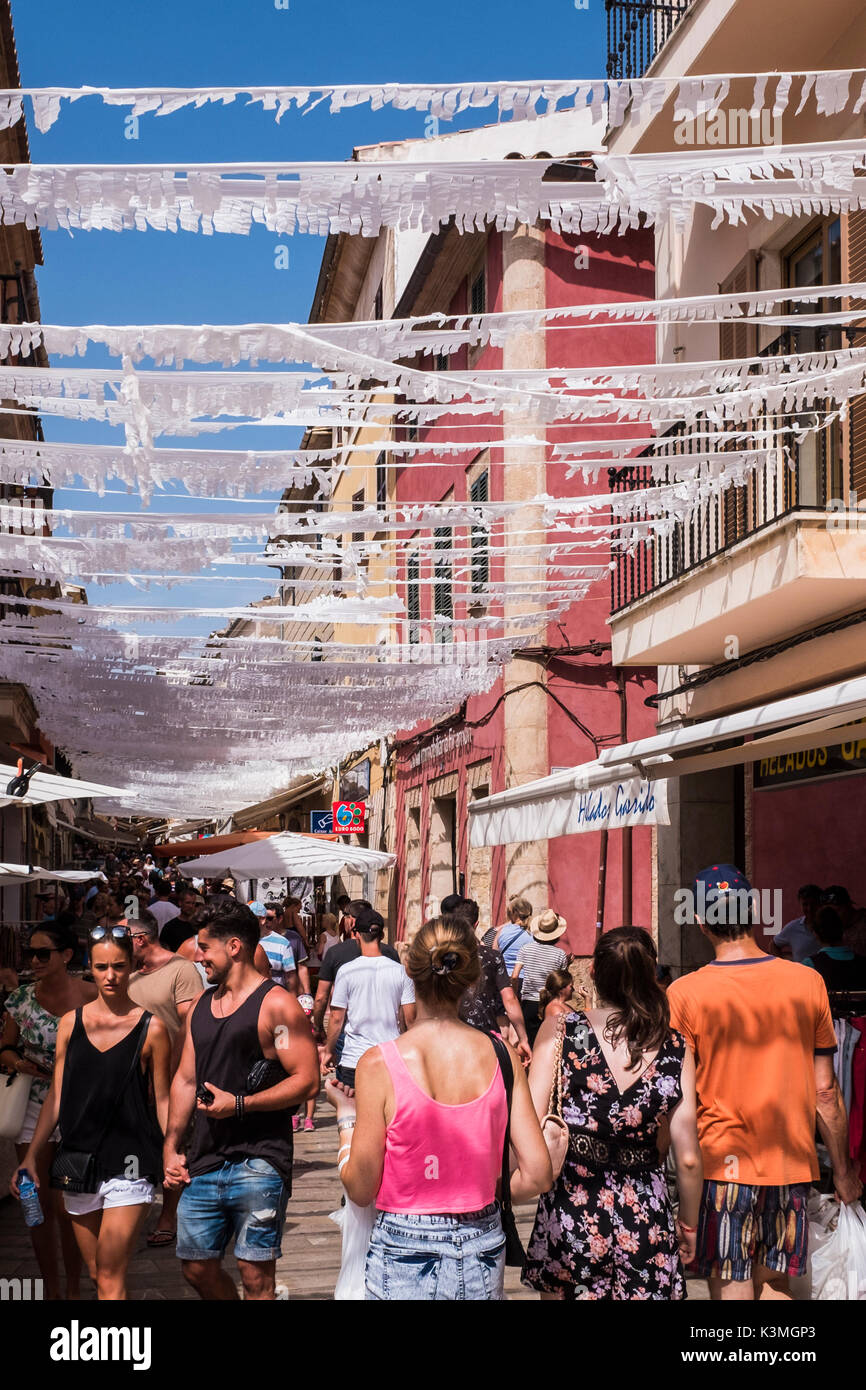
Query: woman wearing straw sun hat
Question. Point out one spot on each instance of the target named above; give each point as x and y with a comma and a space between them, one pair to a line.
535, 960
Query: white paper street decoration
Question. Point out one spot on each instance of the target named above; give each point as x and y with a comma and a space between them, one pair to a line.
831, 91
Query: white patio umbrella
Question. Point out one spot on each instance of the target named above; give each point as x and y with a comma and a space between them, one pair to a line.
288, 855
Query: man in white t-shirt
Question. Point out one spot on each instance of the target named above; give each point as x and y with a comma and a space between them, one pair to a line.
162, 908
373, 997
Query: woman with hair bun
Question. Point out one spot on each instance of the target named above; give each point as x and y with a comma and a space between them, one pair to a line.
426, 1141
606, 1229
27, 1045
555, 998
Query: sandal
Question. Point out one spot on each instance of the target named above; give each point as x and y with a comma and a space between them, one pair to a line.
162, 1238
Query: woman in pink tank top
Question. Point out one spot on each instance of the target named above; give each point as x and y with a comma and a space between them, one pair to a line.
425, 1135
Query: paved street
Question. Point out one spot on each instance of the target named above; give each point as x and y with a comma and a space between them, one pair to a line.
311, 1243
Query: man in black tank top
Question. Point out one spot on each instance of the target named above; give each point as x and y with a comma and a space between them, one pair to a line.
237, 1172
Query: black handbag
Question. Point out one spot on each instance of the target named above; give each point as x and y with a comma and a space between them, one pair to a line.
72, 1170
515, 1255
265, 1074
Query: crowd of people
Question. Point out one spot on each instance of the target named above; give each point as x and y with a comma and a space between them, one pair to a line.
662, 1126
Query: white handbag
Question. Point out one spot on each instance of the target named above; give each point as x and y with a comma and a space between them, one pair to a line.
14, 1095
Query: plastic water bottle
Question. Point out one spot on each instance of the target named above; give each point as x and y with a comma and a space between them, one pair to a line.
29, 1194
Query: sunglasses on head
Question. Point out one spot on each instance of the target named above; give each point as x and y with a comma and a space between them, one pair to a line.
116, 933
40, 953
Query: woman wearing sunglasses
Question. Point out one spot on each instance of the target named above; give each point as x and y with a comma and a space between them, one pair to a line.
109, 1093
27, 1043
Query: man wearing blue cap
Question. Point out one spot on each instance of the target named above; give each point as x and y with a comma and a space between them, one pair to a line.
763, 1039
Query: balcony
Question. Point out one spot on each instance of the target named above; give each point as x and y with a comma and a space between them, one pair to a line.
636, 30
755, 562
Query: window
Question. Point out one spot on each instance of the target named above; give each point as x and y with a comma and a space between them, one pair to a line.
478, 540
441, 361
358, 537
816, 261
738, 340
382, 481
443, 606
413, 598
478, 293
358, 506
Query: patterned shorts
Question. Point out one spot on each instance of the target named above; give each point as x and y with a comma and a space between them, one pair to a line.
740, 1225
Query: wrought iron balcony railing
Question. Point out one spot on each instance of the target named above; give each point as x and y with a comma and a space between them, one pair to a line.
793, 477
636, 30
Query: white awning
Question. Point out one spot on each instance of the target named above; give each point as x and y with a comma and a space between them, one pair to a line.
626, 785
11, 874
47, 786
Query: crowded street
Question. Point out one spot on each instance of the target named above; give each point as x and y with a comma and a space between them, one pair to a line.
432, 677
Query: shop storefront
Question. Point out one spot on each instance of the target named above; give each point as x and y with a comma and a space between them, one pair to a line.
808, 813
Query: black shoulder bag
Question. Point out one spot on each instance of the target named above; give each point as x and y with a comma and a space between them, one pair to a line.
514, 1252
75, 1171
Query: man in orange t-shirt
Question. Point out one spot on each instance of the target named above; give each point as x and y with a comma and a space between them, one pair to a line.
763, 1039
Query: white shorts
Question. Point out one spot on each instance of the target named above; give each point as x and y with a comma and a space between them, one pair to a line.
30, 1121
114, 1192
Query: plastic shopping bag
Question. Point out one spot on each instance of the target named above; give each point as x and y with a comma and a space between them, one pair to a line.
839, 1263
821, 1212
356, 1224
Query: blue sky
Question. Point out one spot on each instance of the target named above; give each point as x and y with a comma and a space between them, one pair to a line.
159, 277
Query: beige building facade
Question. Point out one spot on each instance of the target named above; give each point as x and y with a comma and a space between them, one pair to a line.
762, 594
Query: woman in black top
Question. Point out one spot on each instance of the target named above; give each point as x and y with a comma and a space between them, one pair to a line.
109, 1093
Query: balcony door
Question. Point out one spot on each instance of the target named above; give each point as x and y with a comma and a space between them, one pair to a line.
816, 259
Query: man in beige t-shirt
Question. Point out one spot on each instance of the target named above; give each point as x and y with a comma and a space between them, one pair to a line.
167, 985
162, 981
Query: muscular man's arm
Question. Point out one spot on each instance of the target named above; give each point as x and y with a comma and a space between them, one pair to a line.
284, 1034
833, 1128
320, 1004
511, 1005
336, 1022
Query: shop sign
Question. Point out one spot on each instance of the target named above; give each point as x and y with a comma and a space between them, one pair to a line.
349, 817
634, 802
810, 764
440, 748
322, 822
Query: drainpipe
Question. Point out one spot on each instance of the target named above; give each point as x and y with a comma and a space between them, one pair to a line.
602, 876
627, 830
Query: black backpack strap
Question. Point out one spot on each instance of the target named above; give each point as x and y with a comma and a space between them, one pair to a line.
507, 1071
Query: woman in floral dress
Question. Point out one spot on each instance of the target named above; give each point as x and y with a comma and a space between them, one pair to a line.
606, 1229
28, 1038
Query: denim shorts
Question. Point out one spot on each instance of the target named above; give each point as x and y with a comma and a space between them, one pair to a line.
436, 1258
246, 1200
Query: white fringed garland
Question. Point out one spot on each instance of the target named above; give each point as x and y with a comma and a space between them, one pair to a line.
832, 91
363, 198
